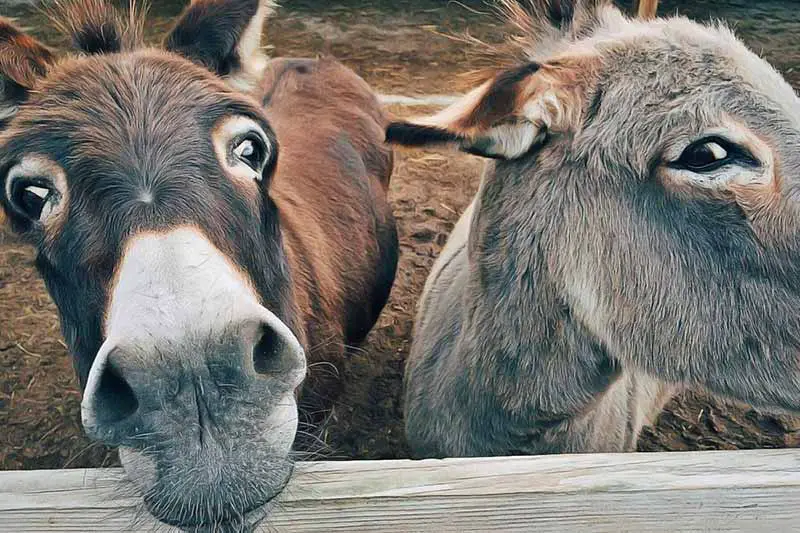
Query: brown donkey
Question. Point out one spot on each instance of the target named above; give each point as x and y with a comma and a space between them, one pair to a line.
208, 223
638, 229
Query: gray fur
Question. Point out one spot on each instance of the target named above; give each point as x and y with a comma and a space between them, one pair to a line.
577, 294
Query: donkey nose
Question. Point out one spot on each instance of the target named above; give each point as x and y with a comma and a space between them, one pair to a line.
131, 381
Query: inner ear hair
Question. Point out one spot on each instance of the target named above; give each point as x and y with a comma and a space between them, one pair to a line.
96, 26
500, 99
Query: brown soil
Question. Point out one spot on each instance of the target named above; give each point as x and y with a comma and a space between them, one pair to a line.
398, 47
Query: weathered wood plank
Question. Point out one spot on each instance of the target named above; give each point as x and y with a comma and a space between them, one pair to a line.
750, 491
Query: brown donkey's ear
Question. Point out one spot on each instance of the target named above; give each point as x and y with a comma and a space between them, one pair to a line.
509, 114
225, 37
22, 61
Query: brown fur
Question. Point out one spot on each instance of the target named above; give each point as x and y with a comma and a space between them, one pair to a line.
330, 263
22, 58
326, 259
291, 242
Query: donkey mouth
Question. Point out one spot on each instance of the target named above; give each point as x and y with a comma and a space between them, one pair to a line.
217, 507
247, 523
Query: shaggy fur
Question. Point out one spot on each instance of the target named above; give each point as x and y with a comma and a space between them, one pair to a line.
129, 142
597, 270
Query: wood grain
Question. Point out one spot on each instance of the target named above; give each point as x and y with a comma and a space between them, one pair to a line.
743, 491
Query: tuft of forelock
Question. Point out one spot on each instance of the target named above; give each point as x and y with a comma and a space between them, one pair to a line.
97, 26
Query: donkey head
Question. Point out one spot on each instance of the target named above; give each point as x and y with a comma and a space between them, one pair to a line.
649, 173
142, 177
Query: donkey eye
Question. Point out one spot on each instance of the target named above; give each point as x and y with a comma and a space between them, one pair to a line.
32, 198
704, 156
707, 155
252, 152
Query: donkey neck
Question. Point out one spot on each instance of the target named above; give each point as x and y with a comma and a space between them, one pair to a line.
546, 368
508, 271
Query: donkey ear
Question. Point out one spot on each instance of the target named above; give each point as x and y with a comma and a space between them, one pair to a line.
225, 37
507, 116
564, 16
545, 23
22, 61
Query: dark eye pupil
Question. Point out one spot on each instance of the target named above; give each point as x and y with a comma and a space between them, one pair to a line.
705, 156
32, 204
26, 199
701, 156
251, 152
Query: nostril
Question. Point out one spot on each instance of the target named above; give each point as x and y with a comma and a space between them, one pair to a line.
270, 352
114, 400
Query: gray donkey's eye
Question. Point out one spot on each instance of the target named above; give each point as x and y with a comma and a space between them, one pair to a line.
712, 153
704, 155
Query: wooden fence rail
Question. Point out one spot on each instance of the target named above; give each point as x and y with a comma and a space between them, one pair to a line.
743, 491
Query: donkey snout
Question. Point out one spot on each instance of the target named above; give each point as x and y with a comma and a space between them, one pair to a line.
186, 336
135, 388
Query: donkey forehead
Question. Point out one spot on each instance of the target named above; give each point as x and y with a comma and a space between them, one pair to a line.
148, 114
693, 54
134, 134
121, 97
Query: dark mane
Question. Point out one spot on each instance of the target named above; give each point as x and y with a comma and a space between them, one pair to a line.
97, 26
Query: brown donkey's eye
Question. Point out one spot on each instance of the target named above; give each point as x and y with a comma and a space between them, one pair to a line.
31, 198
252, 151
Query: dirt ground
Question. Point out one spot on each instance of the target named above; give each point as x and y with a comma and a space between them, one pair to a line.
399, 48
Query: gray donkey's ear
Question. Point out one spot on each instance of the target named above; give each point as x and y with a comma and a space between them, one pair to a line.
510, 114
542, 23
561, 15
225, 37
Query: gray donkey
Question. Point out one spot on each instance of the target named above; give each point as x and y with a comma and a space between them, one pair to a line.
637, 230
